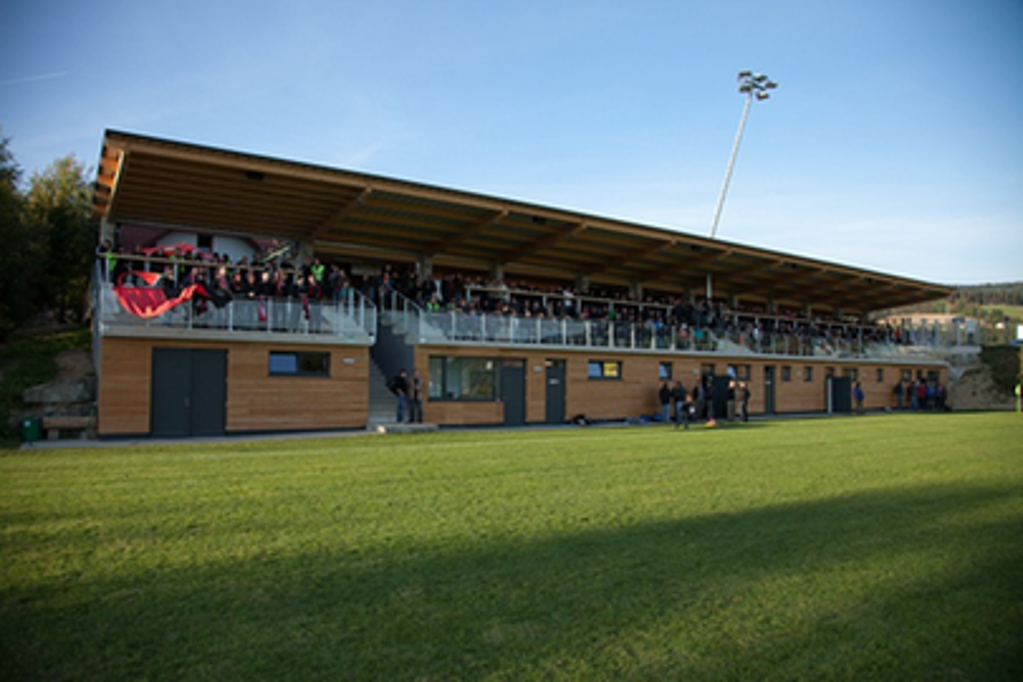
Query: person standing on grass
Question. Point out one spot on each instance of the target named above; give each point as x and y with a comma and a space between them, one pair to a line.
678, 399
858, 397
399, 387
898, 391
730, 401
415, 415
664, 395
699, 399
744, 395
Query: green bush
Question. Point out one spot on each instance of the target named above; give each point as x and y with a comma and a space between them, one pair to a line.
1004, 363
29, 360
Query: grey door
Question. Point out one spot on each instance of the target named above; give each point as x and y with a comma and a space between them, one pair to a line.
720, 404
189, 392
555, 396
841, 394
513, 391
769, 389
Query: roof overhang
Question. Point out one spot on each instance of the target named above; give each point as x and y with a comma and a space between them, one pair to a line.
352, 216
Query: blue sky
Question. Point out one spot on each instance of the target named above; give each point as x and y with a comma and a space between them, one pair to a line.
894, 141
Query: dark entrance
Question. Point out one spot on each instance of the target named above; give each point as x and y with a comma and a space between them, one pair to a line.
513, 391
841, 394
189, 392
720, 404
769, 389
555, 397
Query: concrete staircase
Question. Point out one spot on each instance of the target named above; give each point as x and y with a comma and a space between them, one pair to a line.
383, 407
382, 403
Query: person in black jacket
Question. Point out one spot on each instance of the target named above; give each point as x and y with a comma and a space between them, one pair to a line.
399, 386
678, 397
664, 395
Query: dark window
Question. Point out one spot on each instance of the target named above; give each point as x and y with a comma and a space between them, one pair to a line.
304, 364
808, 373
786, 373
664, 372
880, 375
463, 378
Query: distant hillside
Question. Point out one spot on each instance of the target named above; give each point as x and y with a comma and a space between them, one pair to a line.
989, 302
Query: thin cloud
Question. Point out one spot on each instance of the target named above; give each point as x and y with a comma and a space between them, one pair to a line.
33, 79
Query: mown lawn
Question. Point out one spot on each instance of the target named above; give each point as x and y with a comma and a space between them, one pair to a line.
881, 548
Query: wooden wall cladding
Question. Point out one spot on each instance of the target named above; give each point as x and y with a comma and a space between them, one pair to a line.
255, 400
258, 402
635, 393
123, 391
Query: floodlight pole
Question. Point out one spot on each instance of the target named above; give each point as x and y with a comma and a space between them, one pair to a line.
752, 85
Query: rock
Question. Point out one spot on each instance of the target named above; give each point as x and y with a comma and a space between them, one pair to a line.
81, 390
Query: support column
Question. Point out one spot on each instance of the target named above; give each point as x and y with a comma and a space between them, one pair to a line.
107, 230
636, 289
305, 254
425, 270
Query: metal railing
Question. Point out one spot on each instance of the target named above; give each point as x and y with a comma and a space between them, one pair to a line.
353, 319
457, 327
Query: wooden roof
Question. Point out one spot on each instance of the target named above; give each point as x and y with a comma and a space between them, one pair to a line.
357, 216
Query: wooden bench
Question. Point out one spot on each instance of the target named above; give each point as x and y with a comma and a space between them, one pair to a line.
59, 427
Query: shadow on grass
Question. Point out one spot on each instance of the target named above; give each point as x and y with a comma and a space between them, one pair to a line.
898, 584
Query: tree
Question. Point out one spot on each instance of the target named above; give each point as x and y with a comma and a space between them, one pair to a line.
62, 238
14, 289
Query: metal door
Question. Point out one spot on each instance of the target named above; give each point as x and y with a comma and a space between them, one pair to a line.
841, 394
719, 405
209, 392
513, 391
171, 392
189, 392
555, 396
769, 389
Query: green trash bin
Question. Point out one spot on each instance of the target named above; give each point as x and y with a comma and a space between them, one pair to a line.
31, 430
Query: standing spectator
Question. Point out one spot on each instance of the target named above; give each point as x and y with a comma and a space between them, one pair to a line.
399, 387
898, 391
730, 401
678, 397
699, 398
664, 395
858, 397
744, 395
416, 398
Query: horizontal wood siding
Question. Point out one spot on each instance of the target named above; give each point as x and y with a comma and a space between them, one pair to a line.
123, 391
259, 402
255, 400
635, 394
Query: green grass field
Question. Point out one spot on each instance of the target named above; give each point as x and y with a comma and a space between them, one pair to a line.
881, 548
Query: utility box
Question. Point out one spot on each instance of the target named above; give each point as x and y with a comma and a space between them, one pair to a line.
30, 430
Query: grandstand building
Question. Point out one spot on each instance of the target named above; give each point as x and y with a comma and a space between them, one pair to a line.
513, 313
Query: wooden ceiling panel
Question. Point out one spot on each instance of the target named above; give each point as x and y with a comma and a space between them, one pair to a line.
153, 181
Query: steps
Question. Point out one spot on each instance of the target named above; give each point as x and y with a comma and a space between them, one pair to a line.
383, 405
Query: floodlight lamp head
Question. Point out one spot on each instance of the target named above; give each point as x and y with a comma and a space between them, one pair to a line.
745, 89
770, 85
745, 74
763, 95
760, 78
